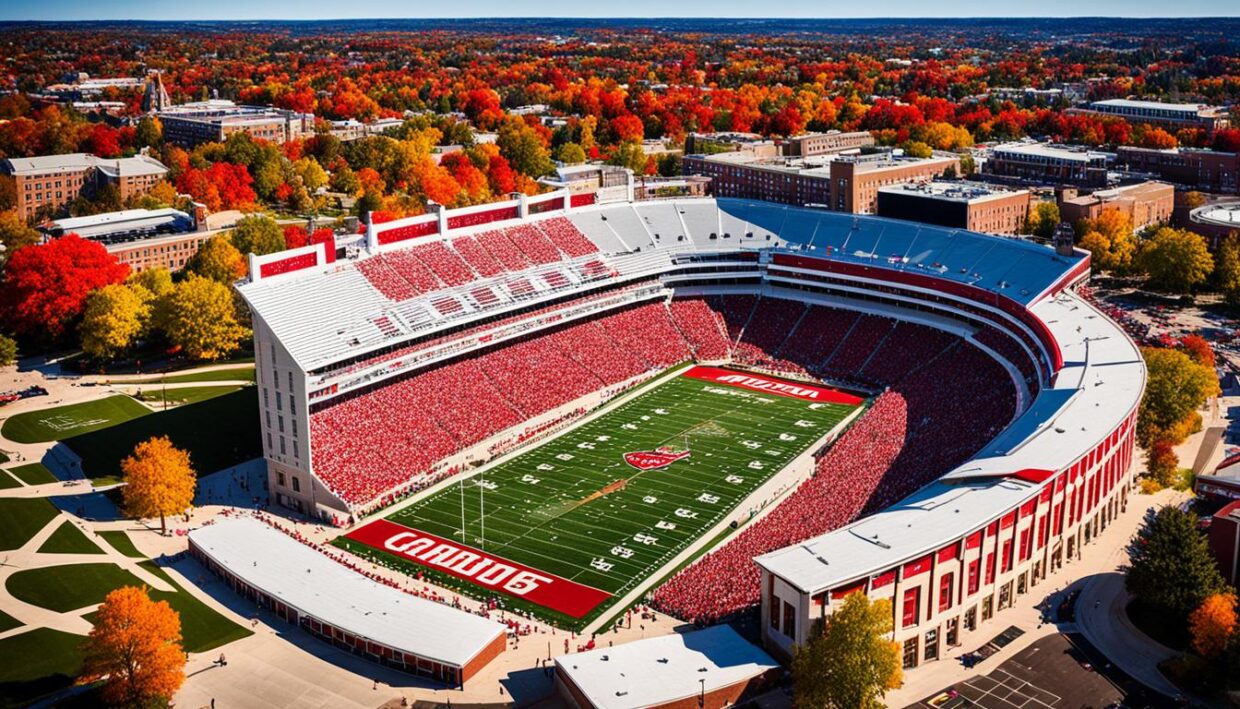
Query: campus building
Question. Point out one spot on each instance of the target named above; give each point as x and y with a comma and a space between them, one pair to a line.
1204, 170
1145, 204
1171, 116
1040, 163
844, 183
51, 181
194, 124
964, 205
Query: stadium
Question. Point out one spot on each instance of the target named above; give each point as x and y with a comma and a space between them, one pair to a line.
570, 403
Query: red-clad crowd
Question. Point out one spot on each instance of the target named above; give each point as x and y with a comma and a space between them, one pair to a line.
701, 327
407, 272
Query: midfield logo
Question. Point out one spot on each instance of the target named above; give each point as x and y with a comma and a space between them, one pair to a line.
655, 459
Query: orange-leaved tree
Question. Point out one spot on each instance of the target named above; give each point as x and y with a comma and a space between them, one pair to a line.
159, 480
1213, 624
135, 647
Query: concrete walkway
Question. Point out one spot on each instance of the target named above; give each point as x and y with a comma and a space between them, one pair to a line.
1102, 616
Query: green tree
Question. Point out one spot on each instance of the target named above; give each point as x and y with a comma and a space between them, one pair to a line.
1227, 269
629, 154
115, 316
149, 132
8, 350
345, 180
200, 317
1170, 564
1043, 220
851, 663
1175, 388
157, 281
523, 148
570, 154
1177, 260
257, 234
312, 175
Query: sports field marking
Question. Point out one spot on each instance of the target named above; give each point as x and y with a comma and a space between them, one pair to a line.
607, 504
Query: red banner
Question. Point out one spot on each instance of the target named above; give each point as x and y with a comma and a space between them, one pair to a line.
773, 385
480, 568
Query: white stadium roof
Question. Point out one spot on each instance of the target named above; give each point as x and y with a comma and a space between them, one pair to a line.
1101, 380
665, 669
307, 580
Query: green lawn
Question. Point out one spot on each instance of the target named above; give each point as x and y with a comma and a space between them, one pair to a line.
69, 587
4, 457
202, 628
8, 481
37, 663
217, 375
22, 518
34, 474
61, 422
575, 508
218, 433
68, 539
121, 542
156, 397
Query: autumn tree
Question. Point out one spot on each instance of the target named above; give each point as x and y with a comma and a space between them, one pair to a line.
14, 234
1171, 568
524, 149
45, 285
1110, 240
135, 648
159, 480
257, 234
115, 316
157, 281
1175, 388
8, 350
1213, 623
851, 662
1227, 269
1176, 260
1198, 349
1163, 464
217, 259
1043, 219
199, 316
570, 154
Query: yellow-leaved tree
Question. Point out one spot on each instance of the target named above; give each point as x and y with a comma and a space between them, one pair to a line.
114, 317
1213, 623
159, 480
217, 259
135, 647
199, 316
850, 663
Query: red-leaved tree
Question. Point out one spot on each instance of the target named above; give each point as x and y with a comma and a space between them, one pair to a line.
45, 285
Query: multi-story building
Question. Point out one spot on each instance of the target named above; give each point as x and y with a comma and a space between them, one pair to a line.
1165, 115
1225, 541
804, 145
1146, 203
845, 183
1041, 163
829, 143
141, 238
51, 181
1205, 170
963, 205
190, 125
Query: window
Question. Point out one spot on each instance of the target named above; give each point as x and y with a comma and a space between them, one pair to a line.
910, 653
946, 591
280, 479
912, 604
280, 421
265, 401
290, 380
282, 449
790, 620
279, 401
296, 484
774, 612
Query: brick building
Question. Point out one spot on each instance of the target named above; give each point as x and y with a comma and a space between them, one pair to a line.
1225, 541
52, 181
194, 124
1146, 203
842, 183
1171, 116
804, 145
1041, 163
1205, 170
964, 205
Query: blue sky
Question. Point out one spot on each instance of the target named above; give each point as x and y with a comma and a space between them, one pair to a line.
324, 9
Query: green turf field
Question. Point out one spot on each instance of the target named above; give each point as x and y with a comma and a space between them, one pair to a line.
573, 507
61, 422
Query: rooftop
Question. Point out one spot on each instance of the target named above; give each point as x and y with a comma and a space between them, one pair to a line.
1122, 103
305, 579
1047, 150
76, 162
952, 191
665, 669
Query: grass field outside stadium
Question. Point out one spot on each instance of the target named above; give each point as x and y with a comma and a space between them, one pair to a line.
605, 506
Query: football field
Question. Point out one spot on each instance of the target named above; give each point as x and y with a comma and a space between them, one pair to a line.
567, 528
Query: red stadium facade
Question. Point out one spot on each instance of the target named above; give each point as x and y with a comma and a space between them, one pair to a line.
439, 342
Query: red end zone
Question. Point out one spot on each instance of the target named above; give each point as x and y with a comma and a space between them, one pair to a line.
480, 568
773, 385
